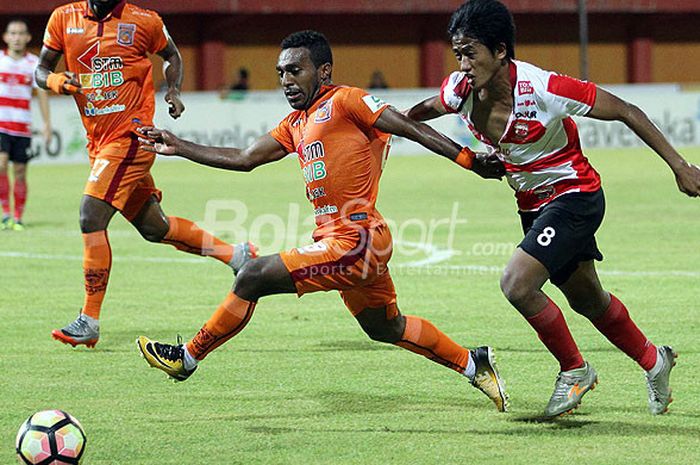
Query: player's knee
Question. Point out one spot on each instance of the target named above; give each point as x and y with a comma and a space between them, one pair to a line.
388, 331
152, 233
88, 223
249, 280
514, 287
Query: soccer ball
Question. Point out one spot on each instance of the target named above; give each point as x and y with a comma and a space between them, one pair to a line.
51, 437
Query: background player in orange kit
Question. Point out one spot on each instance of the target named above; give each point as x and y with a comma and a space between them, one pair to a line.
105, 43
340, 136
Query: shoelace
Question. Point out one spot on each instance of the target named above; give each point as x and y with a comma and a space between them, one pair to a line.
562, 386
79, 326
653, 390
170, 352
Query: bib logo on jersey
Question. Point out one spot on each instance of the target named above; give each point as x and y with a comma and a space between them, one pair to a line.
106, 71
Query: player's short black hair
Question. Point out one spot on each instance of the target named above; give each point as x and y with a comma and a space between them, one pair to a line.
488, 21
16, 20
314, 41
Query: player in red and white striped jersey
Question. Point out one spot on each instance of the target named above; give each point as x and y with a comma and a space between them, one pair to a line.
16, 87
523, 115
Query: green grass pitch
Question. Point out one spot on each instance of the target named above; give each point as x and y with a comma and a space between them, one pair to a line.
302, 384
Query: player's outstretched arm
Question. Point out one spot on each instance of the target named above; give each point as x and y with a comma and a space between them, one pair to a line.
428, 109
172, 70
264, 150
609, 107
60, 83
393, 122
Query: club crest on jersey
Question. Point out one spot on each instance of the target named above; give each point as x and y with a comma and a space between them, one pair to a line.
125, 34
324, 112
525, 88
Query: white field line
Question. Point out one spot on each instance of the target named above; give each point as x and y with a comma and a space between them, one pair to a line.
429, 264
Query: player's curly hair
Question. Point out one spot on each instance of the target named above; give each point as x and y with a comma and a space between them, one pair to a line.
314, 41
488, 21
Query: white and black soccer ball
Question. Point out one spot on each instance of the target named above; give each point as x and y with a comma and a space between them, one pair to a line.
50, 437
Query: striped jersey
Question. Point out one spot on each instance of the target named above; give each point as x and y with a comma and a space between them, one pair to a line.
540, 146
16, 85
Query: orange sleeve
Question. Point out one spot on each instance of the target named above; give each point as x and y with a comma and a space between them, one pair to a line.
283, 134
53, 36
158, 34
362, 108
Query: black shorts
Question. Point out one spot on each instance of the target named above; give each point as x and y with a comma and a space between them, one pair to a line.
562, 233
17, 147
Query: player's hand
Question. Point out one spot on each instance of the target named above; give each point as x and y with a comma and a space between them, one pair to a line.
72, 85
488, 166
688, 179
64, 83
175, 105
158, 141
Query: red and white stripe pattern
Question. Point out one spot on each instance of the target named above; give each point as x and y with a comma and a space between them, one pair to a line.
16, 84
540, 146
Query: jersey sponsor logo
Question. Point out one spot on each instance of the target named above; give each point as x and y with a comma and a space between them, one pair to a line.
525, 88
316, 247
521, 130
86, 58
325, 210
91, 110
315, 193
324, 112
315, 171
125, 34
75, 30
100, 96
99, 80
526, 114
313, 151
544, 192
373, 103
106, 71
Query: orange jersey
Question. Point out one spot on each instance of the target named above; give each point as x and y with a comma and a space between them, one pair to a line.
111, 62
341, 156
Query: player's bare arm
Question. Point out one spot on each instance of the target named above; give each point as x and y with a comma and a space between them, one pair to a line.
45, 114
393, 122
172, 70
609, 107
428, 109
264, 150
61, 83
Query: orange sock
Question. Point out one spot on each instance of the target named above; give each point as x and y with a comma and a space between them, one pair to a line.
227, 321
97, 261
186, 236
422, 337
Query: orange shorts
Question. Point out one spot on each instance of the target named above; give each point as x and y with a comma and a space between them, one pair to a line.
354, 264
120, 175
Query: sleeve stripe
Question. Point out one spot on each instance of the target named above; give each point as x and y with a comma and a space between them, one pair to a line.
573, 89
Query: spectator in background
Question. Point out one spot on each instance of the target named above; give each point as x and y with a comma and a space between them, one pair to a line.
377, 81
236, 88
16, 87
242, 82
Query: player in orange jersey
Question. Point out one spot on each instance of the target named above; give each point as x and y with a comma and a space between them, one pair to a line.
105, 43
340, 136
